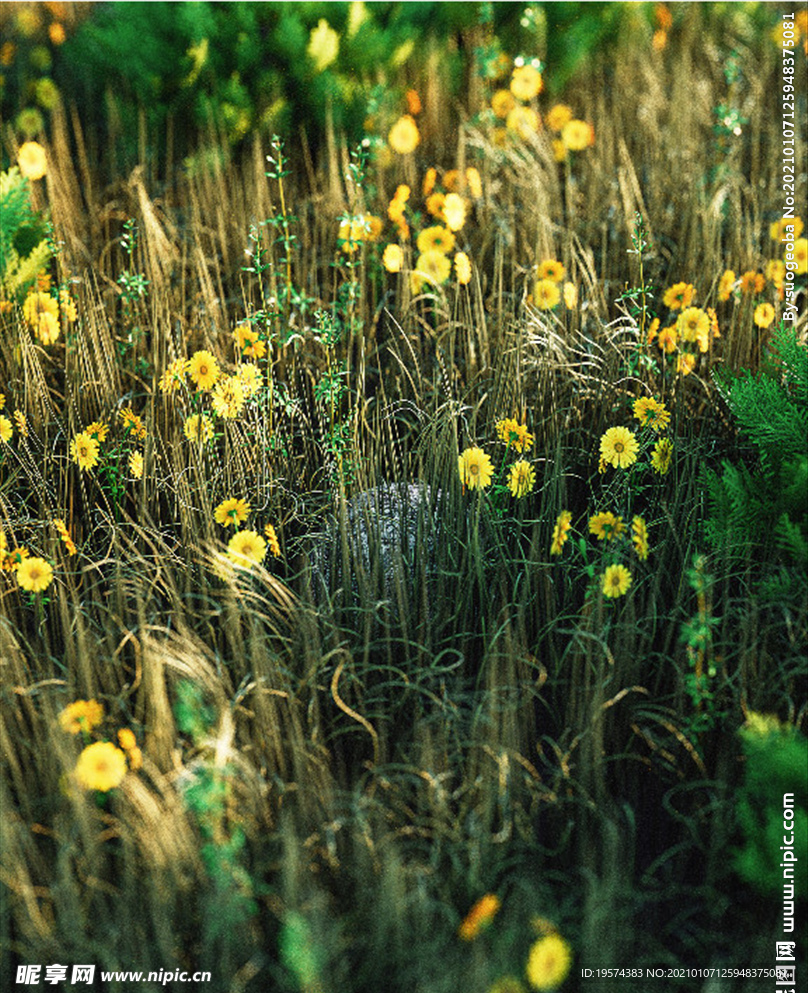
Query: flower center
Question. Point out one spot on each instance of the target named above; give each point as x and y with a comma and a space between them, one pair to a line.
619, 446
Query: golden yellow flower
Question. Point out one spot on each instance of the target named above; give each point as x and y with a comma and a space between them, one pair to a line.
570, 296
560, 532
203, 370
84, 451
47, 328
667, 339
36, 304
476, 470
685, 363
136, 465
546, 294
34, 574
101, 766
462, 264
132, 423
764, 315
22, 422
639, 536
551, 269
651, 413
679, 295
198, 427
32, 160
577, 135
479, 917
98, 430
559, 150
126, 739
404, 137
522, 478
558, 116
227, 399
475, 183
616, 580
67, 306
6, 429
231, 511
246, 549
752, 282
454, 211
272, 540
661, 456
725, 285
251, 379
502, 103
64, 536
548, 962
526, 83
434, 205
393, 258
619, 447
430, 178
694, 325
436, 239
524, 121
800, 254
514, 434
776, 272
174, 376
81, 715
432, 268
606, 526
778, 229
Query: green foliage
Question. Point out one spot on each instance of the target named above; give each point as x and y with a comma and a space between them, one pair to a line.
24, 246
753, 500
776, 764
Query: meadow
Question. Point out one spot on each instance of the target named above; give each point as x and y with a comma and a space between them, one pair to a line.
534, 715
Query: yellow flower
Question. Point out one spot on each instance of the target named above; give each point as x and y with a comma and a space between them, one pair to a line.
436, 239
694, 325
778, 228
558, 116
752, 282
476, 470
616, 580
651, 413
198, 427
47, 328
479, 917
776, 271
800, 254
559, 150
462, 264
475, 183
22, 422
67, 306
577, 135
6, 429
323, 46
98, 430
430, 178
526, 83
272, 540
514, 434
548, 962
606, 525
84, 451
64, 536
32, 160
522, 478
203, 370
502, 103
524, 121
36, 304
685, 363
639, 536
551, 269
764, 315
560, 532
570, 296
246, 549
454, 211
661, 456
546, 294
251, 379
34, 574
132, 423
227, 399
231, 511
404, 137
126, 739
432, 267
393, 258
136, 465
101, 766
679, 295
725, 285
619, 447
174, 376
81, 715
667, 339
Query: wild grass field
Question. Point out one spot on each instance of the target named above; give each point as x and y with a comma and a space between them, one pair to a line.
404, 540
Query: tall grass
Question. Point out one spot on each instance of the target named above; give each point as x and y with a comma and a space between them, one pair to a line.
335, 771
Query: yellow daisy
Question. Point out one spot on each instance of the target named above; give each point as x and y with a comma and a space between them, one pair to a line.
198, 427
84, 451
526, 83
548, 962
132, 423
101, 766
231, 511
34, 574
454, 211
174, 376
479, 917
619, 447
606, 525
476, 470
136, 465
522, 478
661, 456
679, 295
227, 399
514, 434
272, 540
462, 265
651, 413
546, 294
560, 532
436, 239
6, 429
616, 580
551, 269
524, 121
404, 136
577, 135
764, 315
431, 268
393, 258
694, 325
725, 285
81, 715
246, 549
639, 536
558, 116
203, 370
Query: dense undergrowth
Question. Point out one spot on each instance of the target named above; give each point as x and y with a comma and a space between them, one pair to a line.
226, 750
